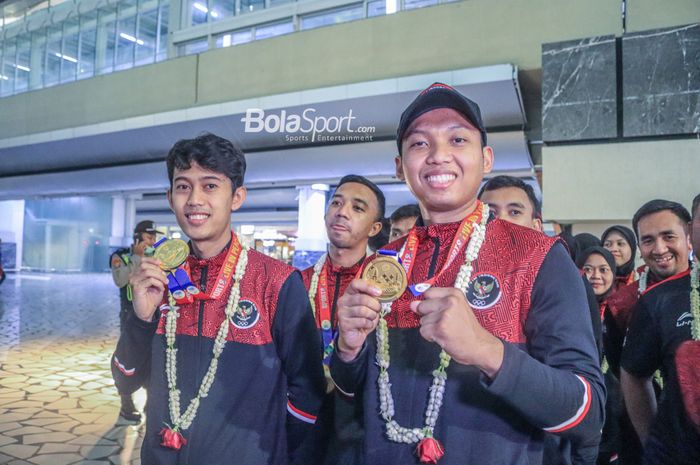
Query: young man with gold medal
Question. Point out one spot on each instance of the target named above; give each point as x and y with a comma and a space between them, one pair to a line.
236, 374
352, 217
491, 344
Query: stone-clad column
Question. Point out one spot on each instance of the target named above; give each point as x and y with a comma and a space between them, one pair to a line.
312, 239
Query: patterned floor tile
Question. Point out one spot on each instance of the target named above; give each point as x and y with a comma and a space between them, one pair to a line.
58, 404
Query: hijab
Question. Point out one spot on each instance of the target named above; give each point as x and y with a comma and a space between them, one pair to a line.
625, 269
607, 256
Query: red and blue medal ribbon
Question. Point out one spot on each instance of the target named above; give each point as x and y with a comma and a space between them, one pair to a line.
324, 312
184, 290
459, 242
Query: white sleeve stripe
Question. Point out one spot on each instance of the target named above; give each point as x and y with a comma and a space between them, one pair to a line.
580, 413
299, 416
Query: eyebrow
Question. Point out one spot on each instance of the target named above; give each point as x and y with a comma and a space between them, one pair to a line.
203, 178
516, 204
660, 233
353, 199
453, 126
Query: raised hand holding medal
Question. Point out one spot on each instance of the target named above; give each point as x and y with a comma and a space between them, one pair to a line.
172, 254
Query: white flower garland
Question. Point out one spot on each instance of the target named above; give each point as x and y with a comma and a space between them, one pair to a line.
313, 285
396, 432
643, 280
183, 421
695, 300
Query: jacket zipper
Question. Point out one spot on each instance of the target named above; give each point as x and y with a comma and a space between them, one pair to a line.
335, 299
203, 288
433, 260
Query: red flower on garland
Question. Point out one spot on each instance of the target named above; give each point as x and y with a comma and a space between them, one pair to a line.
172, 439
430, 450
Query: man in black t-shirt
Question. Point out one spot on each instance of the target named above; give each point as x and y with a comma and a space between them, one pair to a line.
660, 323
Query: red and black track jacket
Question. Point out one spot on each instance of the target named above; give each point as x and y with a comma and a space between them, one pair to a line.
269, 384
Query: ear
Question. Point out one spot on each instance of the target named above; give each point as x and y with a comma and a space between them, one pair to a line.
169, 195
238, 198
487, 152
537, 224
376, 227
399, 167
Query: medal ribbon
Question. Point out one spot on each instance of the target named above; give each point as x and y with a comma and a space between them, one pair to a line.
458, 243
227, 270
324, 313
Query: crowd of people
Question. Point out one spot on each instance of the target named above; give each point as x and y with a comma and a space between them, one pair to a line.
480, 340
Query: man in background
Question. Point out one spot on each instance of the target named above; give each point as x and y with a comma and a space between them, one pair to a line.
122, 262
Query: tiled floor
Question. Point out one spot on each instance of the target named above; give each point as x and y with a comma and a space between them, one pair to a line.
58, 404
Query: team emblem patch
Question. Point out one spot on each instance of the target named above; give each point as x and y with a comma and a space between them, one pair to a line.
484, 291
246, 316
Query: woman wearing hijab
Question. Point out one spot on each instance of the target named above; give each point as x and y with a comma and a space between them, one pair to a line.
599, 267
620, 241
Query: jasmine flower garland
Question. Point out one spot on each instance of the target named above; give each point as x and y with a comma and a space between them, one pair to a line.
180, 422
396, 432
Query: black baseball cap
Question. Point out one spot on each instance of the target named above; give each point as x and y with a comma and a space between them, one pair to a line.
146, 226
440, 95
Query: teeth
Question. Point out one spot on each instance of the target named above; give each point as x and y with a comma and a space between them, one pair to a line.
441, 178
197, 217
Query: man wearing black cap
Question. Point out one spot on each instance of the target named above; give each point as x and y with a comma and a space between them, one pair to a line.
352, 218
493, 325
122, 262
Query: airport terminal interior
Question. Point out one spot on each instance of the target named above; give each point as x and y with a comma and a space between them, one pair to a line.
594, 104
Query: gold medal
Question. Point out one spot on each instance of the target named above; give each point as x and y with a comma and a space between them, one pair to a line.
387, 274
172, 253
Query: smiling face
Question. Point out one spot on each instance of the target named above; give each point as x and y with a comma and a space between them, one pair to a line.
598, 273
618, 247
443, 164
202, 201
513, 205
351, 218
664, 243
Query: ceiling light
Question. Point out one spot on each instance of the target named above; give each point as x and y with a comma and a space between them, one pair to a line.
200, 7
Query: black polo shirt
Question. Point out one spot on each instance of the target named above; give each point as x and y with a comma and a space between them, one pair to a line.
660, 323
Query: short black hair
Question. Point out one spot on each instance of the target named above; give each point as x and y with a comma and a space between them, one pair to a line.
411, 210
380, 239
696, 205
381, 201
211, 152
503, 181
659, 205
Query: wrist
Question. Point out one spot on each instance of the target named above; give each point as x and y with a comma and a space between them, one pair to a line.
345, 353
147, 317
492, 359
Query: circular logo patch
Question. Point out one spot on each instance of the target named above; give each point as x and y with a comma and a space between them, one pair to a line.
484, 291
246, 316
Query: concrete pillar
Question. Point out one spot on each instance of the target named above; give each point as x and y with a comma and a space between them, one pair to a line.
11, 233
123, 221
312, 239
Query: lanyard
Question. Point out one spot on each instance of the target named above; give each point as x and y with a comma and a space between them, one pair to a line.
324, 308
227, 270
458, 243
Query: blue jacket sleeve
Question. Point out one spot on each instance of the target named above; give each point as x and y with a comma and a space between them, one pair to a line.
298, 345
556, 383
349, 377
